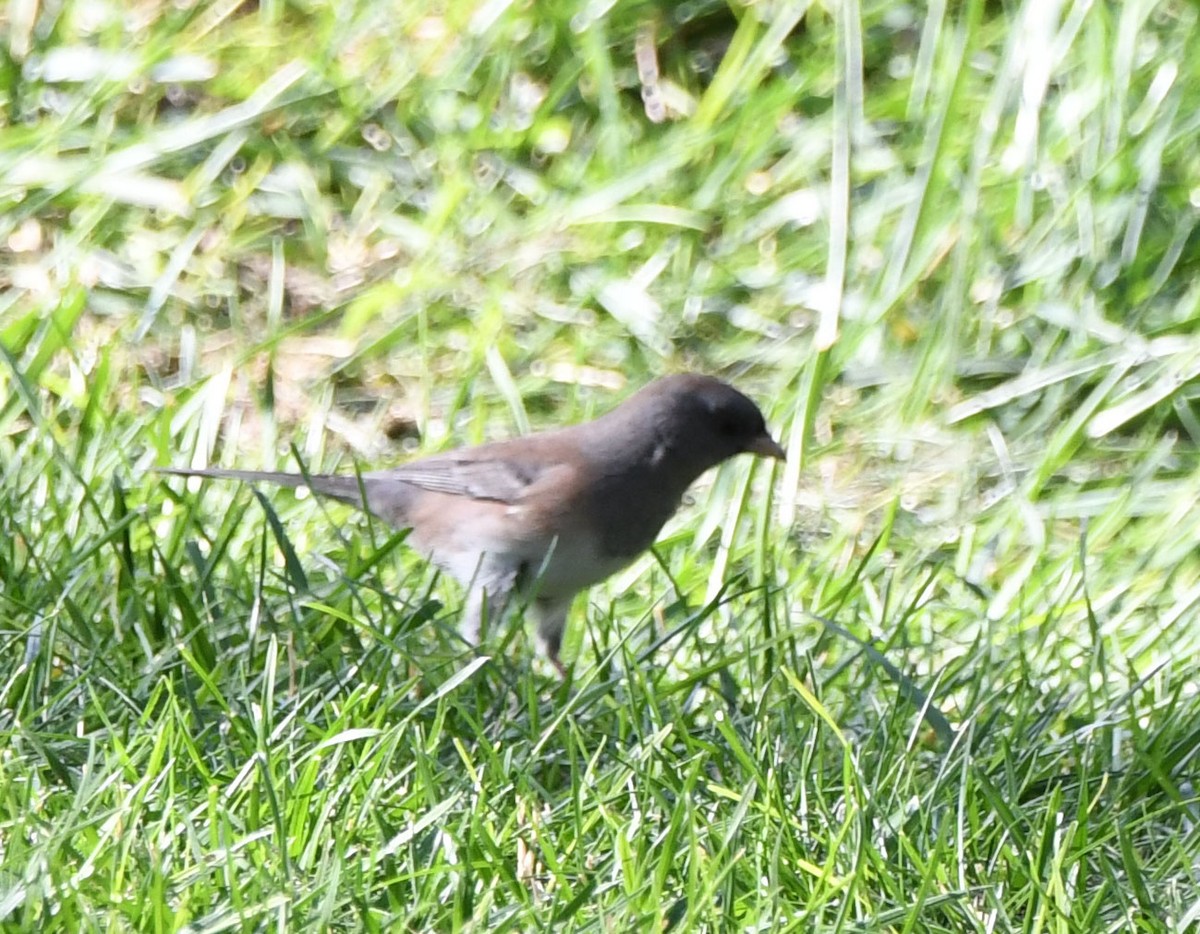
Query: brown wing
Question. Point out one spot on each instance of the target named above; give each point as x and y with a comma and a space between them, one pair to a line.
497, 480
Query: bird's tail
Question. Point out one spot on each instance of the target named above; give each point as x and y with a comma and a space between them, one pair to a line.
343, 488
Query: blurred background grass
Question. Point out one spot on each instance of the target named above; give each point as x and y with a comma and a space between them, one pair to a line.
936, 673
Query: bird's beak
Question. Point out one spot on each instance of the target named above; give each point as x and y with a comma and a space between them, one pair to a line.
766, 446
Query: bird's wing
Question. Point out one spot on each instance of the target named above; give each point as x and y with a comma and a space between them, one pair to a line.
499, 480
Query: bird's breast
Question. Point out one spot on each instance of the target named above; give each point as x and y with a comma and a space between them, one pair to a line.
573, 562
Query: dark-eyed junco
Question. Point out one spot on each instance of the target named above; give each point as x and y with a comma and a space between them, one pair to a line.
550, 514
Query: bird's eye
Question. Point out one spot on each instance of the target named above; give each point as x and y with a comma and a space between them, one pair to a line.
730, 424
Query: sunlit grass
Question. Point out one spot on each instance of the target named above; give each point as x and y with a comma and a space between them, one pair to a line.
936, 673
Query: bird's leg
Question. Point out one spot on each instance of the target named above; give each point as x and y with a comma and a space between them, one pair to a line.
482, 604
487, 597
550, 618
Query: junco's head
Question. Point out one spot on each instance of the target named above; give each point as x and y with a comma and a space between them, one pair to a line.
728, 420
703, 420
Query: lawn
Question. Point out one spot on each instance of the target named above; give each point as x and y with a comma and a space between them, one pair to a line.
937, 672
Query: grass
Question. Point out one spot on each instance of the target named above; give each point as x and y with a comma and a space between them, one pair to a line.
936, 673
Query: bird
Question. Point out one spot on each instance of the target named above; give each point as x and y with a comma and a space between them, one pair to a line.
543, 517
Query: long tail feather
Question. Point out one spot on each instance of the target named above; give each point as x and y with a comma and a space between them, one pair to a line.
336, 487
